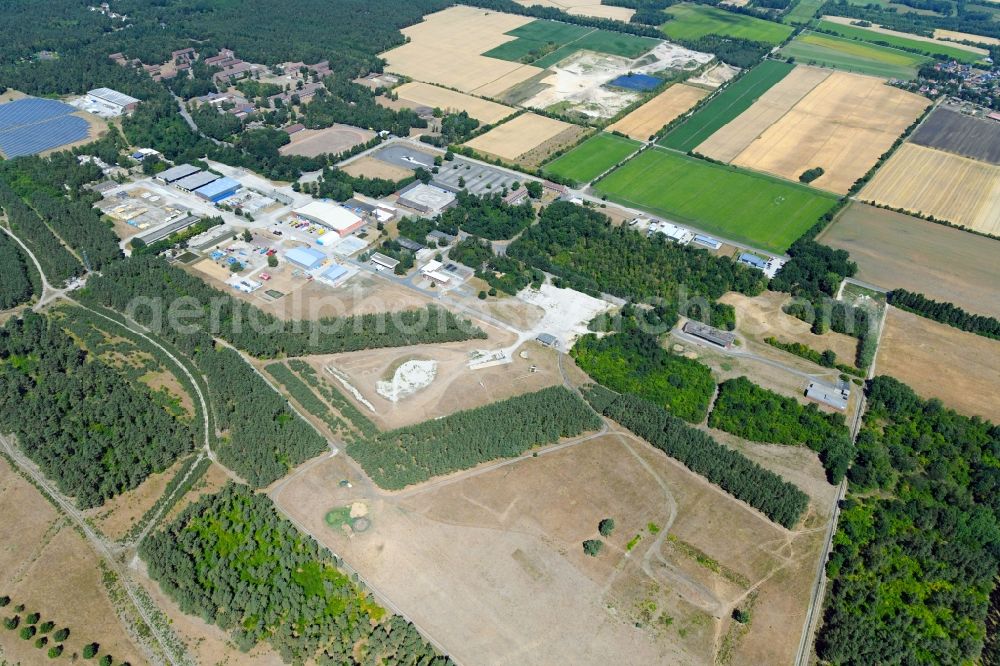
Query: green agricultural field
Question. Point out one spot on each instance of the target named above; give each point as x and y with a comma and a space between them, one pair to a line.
748, 207
695, 21
853, 56
894, 41
544, 43
733, 100
802, 12
592, 157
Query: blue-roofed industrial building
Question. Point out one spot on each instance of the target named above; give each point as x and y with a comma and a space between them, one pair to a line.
334, 273
305, 257
753, 260
219, 189
31, 125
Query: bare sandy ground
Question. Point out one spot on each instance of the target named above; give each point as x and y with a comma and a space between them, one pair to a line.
652, 116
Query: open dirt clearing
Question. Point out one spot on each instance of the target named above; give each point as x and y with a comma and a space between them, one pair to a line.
715, 76
455, 386
47, 566
652, 116
739, 133
424, 94
457, 556
932, 182
583, 8
761, 316
893, 251
519, 136
843, 125
445, 48
333, 140
370, 167
939, 361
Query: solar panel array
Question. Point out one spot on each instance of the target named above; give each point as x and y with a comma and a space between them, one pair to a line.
32, 125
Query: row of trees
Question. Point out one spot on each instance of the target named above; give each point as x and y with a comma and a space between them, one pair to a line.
504, 429
739, 476
759, 415
91, 430
946, 313
154, 292
230, 559
918, 541
17, 277
588, 253
56, 261
361, 423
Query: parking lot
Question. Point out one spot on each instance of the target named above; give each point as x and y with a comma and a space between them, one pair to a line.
479, 178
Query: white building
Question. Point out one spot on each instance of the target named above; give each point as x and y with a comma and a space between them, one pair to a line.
331, 216
111, 101
432, 271
675, 233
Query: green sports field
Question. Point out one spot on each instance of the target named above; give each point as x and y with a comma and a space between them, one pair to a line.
535, 42
592, 157
853, 56
752, 208
695, 21
733, 100
895, 41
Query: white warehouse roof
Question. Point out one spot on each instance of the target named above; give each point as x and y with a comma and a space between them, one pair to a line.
331, 215
112, 96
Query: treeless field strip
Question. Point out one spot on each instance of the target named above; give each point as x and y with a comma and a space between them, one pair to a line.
516, 137
939, 361
844, 125
445, 48
893, 250
583, 8
952, 36
743, 130
424, 94
923, 180
649, 118
906, 35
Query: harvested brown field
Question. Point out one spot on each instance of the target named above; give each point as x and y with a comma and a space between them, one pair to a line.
446, 47
761, 316
457, 554
726, 144
932, 182
333, 140
370, 167
423, 94
939, 361
952, 36
527, 133
651, 117
951, 131
47, 566
894, 251
584, 8
843, 125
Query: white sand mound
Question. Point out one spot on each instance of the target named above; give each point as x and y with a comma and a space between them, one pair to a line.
409, 378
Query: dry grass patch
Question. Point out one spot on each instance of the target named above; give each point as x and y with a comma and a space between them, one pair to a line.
931, 182
333, 140
118, 515
843, 125
893, 251
517, 137
747, 127
445, 48
584, 8
952, 36
939, 361
424, 94
370, 167
652, 116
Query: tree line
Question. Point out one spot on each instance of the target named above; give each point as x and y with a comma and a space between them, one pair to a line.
91, 430
917, 547
504, 429
56, 262
17, 279
946, 313
739, 476
232, 560
759, 415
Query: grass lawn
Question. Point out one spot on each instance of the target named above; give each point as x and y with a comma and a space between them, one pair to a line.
724, 107
803, 12
592, 157
856, 33
853, 56
543, 43
694, 21
759, 210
